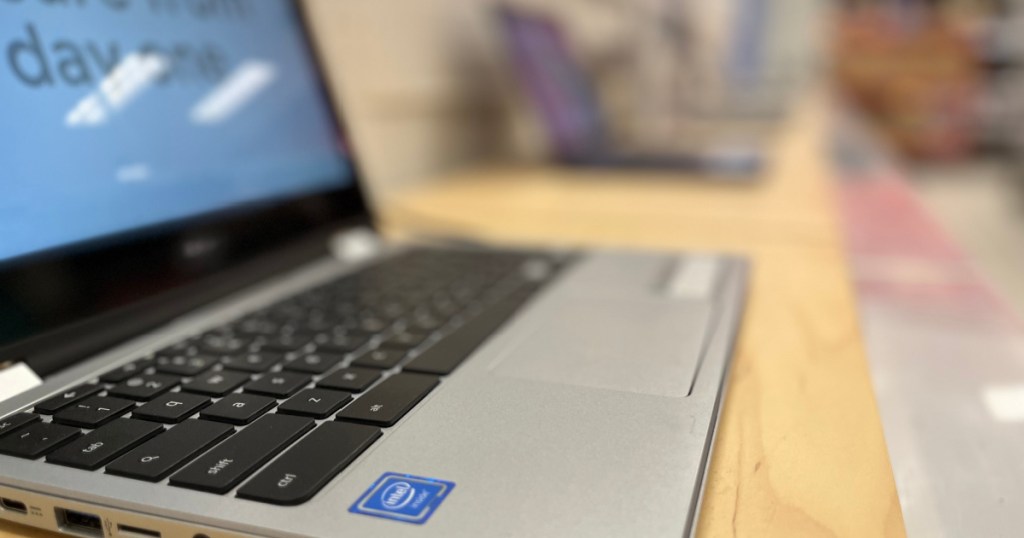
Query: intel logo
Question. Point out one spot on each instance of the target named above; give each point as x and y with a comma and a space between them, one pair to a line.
397, 495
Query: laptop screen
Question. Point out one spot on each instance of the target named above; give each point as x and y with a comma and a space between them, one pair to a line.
154, 155
555, 82
125, 114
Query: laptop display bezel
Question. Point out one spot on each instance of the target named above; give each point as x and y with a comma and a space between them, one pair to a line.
117, 285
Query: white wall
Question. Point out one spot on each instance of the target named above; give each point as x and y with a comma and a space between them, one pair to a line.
414, 82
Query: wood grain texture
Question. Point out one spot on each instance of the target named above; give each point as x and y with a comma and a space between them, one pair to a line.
800, 451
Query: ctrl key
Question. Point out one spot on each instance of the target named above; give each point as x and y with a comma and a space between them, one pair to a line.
308, 466
37, 439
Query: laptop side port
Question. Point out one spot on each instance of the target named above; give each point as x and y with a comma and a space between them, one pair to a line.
12, 505
81, 523
131, 531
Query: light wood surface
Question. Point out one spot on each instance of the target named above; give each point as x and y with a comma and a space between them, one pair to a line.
800, 451
11, 530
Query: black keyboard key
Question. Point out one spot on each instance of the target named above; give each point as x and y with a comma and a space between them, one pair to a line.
145, 387
288, 311
256, 362
350, 379
383, 358
37, 439
308, 466
216, 383
313, 363
228, 463
184, 365
66, 398
238, 408
93, 412
341, 343
13, 422
284, 343
188, 346
444, 306
320, 322
427, 323
407, 339
446, 355
171, 408
218, 343
388, 402
121, 373
373, 324
161, 456
278, 384
257, 327
316, 403
101, 446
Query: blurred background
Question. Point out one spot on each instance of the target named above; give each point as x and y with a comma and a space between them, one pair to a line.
925, 142
942, 85
436, 82
433, 86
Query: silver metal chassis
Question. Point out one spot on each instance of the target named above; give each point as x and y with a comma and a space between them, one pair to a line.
528, 458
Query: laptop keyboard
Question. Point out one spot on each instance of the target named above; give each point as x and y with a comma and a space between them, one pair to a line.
306, 384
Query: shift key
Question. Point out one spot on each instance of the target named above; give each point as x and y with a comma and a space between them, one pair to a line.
387, 403
228, 463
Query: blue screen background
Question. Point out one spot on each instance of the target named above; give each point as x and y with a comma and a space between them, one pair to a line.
150, 162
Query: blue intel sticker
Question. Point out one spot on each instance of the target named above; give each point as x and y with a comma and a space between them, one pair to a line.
403, 497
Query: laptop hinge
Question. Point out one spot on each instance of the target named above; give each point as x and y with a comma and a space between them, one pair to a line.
356, 244
16, 378
59, 349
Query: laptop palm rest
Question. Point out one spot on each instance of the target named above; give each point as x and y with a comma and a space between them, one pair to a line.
643, 345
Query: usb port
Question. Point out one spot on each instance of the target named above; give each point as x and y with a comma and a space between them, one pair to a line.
135, 532
79, 523
13, 505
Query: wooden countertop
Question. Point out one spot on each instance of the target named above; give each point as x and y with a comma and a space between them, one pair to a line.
800, 451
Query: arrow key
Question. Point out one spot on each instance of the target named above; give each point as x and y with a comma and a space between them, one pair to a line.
66, 398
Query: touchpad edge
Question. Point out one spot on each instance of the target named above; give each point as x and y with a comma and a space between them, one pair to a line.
642, 345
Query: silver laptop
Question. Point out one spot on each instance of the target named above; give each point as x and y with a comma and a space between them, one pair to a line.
226, 349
